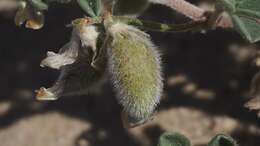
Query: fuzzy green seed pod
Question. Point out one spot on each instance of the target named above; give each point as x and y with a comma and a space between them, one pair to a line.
135, 67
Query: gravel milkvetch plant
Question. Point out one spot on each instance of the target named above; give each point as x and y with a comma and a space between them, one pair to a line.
133, 63
113, 40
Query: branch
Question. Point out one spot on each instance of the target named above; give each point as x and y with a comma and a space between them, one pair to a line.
215, 19
8, 5
162, 27
189, 10
145, 25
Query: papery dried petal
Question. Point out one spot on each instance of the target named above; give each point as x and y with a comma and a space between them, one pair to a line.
67, 54
56, 61
75, 79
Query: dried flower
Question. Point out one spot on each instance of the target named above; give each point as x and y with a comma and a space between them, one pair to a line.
74, 61
32, 17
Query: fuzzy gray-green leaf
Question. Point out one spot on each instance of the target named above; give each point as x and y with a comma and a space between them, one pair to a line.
91, 7
247, 27
222, 140
58, 1
173, 139
246, 17
38, 5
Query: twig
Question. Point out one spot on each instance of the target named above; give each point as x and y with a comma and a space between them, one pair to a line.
162, 27
8, 5
193, 12
145, 25
189, 10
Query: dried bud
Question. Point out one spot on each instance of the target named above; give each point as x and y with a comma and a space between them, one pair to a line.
32, 18
134, 64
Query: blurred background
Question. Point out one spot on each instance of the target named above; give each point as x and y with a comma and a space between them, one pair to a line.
207, 80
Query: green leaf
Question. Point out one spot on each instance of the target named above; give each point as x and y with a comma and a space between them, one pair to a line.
98, 7
91, 7
130, 7
58, 1
222, 140
245, 15
228, 5
250, 8
38, 5
247, 27
173, 139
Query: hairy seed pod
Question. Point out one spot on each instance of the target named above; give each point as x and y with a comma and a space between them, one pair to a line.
134, 64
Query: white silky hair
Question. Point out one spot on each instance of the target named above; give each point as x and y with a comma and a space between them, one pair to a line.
88, 35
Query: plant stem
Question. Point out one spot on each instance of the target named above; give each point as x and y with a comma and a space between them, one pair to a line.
214, 19
189, 10
8, 5
145, 25
162, 27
